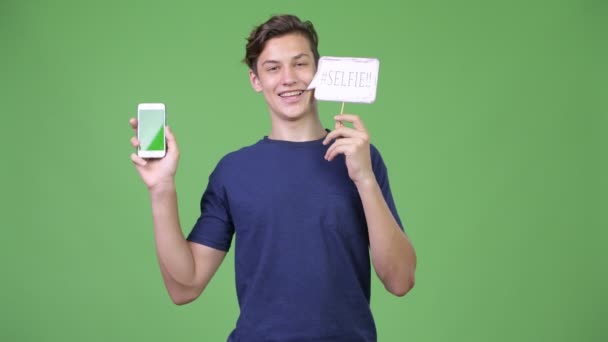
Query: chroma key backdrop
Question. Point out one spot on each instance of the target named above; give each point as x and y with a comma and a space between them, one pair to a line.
491, 117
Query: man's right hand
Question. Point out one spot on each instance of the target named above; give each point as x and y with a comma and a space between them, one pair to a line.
156, 172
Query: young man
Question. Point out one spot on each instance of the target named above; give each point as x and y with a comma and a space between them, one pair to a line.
307, 207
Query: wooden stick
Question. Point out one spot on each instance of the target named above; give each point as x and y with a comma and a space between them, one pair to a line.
338, 122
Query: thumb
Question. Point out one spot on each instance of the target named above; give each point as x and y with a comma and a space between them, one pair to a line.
171, 143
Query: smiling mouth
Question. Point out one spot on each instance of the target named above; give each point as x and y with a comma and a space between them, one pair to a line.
291, 93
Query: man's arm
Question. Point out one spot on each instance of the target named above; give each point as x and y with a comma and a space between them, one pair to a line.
392, 253
186, 267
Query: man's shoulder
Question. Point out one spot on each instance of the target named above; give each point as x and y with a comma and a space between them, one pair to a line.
374, 150
375, 153
378, 164
239, 158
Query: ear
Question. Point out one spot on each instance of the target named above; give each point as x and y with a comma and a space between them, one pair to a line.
255, 81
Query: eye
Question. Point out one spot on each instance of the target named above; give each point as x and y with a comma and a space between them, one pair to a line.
273, 68
301, 64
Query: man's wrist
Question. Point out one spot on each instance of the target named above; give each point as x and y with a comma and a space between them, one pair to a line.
162, 188
366, 183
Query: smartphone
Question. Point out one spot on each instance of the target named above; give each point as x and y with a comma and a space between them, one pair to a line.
151, 130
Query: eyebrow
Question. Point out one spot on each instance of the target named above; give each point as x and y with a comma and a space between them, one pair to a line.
303, 54
298, 56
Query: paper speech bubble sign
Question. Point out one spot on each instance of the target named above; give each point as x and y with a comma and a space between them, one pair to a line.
346, 79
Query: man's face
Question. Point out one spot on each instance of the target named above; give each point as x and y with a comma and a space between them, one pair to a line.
285, 68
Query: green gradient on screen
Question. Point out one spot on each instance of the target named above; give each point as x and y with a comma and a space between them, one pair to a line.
151, 125
490, 115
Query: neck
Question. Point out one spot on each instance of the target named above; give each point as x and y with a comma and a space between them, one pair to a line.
306, 128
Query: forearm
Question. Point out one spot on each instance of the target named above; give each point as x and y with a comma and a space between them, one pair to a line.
391, 251
174, 254
179, 294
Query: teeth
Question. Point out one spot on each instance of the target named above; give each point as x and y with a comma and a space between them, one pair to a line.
291, 93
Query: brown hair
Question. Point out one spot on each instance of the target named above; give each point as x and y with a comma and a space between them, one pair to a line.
276, 26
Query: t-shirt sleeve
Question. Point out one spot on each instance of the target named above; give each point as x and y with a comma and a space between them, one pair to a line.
214, 227
382, 178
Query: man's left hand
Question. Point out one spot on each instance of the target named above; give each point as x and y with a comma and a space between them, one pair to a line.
354, 144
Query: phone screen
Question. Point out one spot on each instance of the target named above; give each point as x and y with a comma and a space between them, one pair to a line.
151, 127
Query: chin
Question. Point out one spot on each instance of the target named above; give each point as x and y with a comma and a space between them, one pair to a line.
295, 111
292, 116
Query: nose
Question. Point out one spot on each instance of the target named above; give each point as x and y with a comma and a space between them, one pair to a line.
288, 76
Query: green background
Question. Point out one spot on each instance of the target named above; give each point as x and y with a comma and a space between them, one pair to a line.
491, 117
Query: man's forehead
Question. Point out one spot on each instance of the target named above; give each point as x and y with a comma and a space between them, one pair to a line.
286, 47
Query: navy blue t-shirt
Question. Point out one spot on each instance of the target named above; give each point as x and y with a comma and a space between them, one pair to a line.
301, 242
